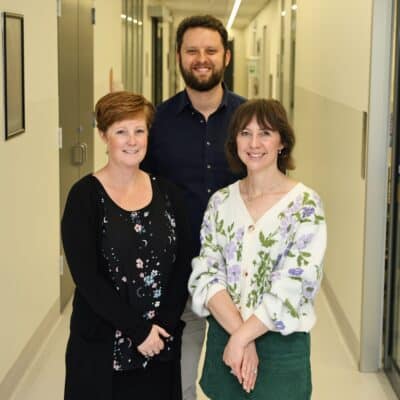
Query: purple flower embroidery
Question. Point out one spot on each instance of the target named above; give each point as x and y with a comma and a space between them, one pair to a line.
277, 262
296, 271
279, 325
275, 275
303, 241
288, 248
286, 223
240, 234
308, 211
230, 250
216, 201
309, 289
296, 205
206, 227
233, 274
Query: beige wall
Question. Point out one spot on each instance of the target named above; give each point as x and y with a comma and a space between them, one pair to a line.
29, 212
107, 56
332, 85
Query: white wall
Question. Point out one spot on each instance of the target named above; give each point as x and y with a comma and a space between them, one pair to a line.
29, 175
107, 57
332, 86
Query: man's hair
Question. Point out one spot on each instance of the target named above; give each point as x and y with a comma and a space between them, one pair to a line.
201, 21
269, 114
117, 106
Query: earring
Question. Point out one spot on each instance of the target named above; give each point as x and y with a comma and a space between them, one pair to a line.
279, 152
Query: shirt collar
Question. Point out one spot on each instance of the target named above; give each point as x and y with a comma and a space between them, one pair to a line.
184, 101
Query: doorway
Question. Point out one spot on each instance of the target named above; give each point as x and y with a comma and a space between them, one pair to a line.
392, 292
76, 120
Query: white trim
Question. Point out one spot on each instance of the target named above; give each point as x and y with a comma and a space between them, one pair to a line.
376, 187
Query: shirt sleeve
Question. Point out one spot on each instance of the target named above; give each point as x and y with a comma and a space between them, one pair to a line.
297, 274
176, 291
208, 275
79, 229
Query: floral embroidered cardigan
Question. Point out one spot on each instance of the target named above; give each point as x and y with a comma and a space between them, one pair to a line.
271, 268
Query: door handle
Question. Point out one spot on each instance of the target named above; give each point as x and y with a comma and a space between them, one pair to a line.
79, 153
84, 152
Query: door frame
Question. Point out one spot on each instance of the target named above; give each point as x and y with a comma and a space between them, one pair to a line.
393, 232
376, 173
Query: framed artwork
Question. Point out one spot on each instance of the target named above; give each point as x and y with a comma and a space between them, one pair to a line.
14, 85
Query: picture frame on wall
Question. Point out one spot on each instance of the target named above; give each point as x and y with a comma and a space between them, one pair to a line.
14, 85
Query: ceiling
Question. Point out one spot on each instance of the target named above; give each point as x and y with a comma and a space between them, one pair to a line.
220, 8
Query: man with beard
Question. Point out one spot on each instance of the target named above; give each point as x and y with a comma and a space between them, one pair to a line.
187, 138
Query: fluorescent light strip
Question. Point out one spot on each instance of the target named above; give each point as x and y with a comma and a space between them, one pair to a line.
234, 11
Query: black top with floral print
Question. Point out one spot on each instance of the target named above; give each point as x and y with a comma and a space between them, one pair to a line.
139, 250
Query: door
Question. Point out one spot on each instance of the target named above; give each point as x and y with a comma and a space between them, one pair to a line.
75, 66
229, 75
157, 62
392, 290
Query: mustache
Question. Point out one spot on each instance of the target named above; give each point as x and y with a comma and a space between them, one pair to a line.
202, 64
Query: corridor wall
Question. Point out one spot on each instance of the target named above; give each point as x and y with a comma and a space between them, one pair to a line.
29, 212
331, 94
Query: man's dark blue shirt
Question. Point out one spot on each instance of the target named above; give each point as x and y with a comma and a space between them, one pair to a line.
189, 151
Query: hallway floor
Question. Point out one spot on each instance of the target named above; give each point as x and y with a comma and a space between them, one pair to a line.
335, 374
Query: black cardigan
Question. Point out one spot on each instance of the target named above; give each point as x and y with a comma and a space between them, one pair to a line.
97, 308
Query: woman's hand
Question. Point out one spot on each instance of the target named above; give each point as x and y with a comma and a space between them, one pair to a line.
233, 356
153, 344
249, 367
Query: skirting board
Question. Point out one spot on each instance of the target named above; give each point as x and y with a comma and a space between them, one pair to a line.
17, 371
342, 321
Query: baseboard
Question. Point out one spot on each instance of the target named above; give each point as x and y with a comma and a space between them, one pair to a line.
29, 352
345, 328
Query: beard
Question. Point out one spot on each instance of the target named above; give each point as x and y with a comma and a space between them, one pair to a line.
195, 83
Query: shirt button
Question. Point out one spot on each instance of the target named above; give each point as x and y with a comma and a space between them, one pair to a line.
201, 121
246, 273
208, 166
251, 228
209, 190
208, 143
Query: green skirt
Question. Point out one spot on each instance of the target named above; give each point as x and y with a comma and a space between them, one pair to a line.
284, 371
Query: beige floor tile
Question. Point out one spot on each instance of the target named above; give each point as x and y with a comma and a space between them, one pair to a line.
335, 374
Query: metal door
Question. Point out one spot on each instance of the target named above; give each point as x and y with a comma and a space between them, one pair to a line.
75, 66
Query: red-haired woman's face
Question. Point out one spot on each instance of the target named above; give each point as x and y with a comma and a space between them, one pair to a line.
126, 142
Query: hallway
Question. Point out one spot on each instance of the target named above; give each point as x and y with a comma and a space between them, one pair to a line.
335, 375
